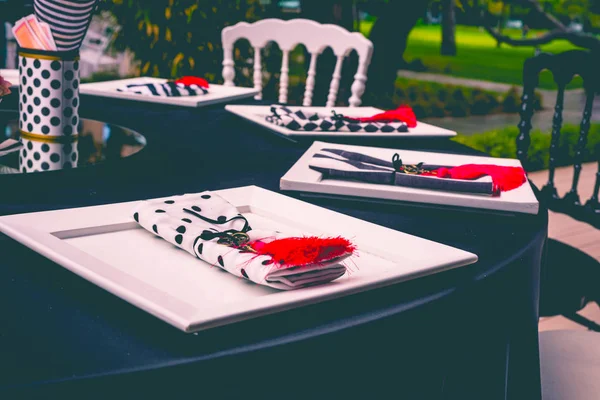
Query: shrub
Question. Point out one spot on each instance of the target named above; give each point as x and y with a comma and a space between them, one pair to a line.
175, 38
502, 143
432, 99
457, 108
511, 101
483, 104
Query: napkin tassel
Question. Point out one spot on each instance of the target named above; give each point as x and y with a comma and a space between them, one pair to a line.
299, 251
403, 113
503, 178
192, 80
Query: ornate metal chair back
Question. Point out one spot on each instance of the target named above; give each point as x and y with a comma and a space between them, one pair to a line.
564, 67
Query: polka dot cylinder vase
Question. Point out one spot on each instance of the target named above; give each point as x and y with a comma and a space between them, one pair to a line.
48, 106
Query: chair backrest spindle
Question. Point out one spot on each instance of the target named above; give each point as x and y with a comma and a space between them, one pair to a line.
557, 121
572, 196
310, 80
335, 82
284, 78
257, 75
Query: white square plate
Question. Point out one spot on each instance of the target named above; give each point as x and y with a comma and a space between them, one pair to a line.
216, 93
301, 178
257, 114
105, 246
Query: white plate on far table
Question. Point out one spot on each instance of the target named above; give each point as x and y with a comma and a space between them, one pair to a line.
105, 246
301, 178
216, 93
257, 114
11, 75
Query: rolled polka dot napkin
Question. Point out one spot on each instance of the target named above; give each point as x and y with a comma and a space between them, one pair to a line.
208, 227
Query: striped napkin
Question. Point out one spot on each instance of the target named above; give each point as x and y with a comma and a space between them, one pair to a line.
167, 89
68, 19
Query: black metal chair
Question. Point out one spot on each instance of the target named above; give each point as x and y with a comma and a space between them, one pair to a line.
564, 67
570, 277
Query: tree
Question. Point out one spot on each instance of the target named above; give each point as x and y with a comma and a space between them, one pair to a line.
338, 12
558, 29
171, 38
395, 20
448, 28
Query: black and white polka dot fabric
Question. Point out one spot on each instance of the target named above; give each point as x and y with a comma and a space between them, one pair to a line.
68, 19
297, 120
167, 89
196, 223
36, 156
49, 95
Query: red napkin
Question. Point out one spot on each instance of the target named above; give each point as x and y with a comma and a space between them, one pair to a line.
403, 114
503, 178
192, 80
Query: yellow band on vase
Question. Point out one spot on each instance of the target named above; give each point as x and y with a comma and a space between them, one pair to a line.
34, 137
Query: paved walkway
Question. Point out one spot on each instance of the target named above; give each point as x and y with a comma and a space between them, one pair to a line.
574, 101
573, 233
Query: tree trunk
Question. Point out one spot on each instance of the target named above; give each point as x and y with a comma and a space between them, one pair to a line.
448, 28
389, 35
337, 12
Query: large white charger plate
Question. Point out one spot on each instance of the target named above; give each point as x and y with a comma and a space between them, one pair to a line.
301, 178
216, 93
11, 75
105, 246
257, 114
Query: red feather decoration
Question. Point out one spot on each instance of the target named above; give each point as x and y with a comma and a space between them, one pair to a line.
503, 178
192, 80
403, 114
299, 251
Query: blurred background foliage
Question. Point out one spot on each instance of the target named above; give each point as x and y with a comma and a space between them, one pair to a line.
172, 38
502, 143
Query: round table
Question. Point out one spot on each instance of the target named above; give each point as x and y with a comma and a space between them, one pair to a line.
465, 333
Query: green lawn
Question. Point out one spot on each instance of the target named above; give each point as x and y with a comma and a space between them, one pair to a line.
478, 57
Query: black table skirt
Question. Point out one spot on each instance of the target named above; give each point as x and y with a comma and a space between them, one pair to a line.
465, 333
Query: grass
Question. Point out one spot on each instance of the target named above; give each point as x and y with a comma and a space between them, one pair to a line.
478, 57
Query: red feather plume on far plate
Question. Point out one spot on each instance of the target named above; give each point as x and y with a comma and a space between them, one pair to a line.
192, 80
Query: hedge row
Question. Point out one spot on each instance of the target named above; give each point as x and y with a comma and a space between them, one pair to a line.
502, 143
431, 99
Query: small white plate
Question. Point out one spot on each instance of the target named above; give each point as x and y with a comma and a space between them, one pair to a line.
11, 75
105, 246
257, 114
301, 178
216, 93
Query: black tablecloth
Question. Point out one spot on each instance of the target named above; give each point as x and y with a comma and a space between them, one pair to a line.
465, 333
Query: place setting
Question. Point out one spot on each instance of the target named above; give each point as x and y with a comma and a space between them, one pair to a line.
331, 122
186, 91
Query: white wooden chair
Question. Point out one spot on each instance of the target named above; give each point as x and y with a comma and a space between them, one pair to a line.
288, 34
